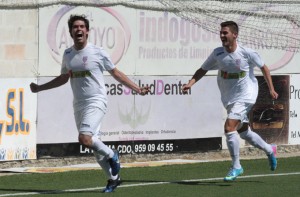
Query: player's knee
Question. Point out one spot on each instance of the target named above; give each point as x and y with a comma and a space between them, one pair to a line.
231, 125
228, 128
243, 128
85, 140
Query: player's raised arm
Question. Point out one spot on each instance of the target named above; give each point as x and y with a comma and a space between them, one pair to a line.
122, 78
196, 77
266, 72
56, 82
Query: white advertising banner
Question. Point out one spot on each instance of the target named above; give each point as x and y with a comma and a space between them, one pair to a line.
294, 113
141, 42
17, 119
165, 113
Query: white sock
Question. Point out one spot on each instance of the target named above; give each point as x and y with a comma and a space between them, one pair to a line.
255, 140
101, 148
102, 161
233, 144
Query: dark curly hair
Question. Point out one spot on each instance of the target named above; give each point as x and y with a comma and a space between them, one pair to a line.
74, 18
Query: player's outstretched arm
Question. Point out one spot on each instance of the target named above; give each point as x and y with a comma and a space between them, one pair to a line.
123, 79
266, 72
56, 82
196, 77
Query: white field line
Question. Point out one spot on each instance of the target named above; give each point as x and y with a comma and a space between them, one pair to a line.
145, 184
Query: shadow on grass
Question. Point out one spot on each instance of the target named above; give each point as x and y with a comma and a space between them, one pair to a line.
37, 191
215, 183
85, 191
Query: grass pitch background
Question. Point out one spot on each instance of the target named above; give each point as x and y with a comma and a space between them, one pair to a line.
199, 179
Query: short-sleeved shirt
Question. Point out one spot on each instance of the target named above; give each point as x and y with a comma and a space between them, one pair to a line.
86, 68
243, 60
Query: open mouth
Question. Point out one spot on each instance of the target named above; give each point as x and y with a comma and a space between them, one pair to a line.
79, 35
224, 41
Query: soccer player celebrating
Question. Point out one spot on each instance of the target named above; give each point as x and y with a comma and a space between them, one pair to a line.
239, 90
83, 64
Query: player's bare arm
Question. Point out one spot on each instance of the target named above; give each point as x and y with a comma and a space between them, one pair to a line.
266, 72
123, 79
196, 77
56, 82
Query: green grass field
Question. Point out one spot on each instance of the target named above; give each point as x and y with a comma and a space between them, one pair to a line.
200, 179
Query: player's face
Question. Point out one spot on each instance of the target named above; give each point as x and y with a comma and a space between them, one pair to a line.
79, 34
228, 38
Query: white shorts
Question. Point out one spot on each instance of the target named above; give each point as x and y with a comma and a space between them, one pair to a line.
239, 111
88, 120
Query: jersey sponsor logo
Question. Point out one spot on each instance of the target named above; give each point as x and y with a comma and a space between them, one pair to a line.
80, 74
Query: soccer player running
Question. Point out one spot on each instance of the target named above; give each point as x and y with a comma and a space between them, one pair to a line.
239, 90
83, 64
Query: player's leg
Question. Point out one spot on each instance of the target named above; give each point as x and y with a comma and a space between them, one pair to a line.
113, 181
234, 116
255, 140
109, 162
232, 140
95, 144
112, 156
88, 123
233, 145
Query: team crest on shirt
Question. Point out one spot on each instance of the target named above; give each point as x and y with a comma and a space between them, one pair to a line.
84, 59
238, 62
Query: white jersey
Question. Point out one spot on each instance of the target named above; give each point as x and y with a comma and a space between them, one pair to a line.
241, 63
86, 68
